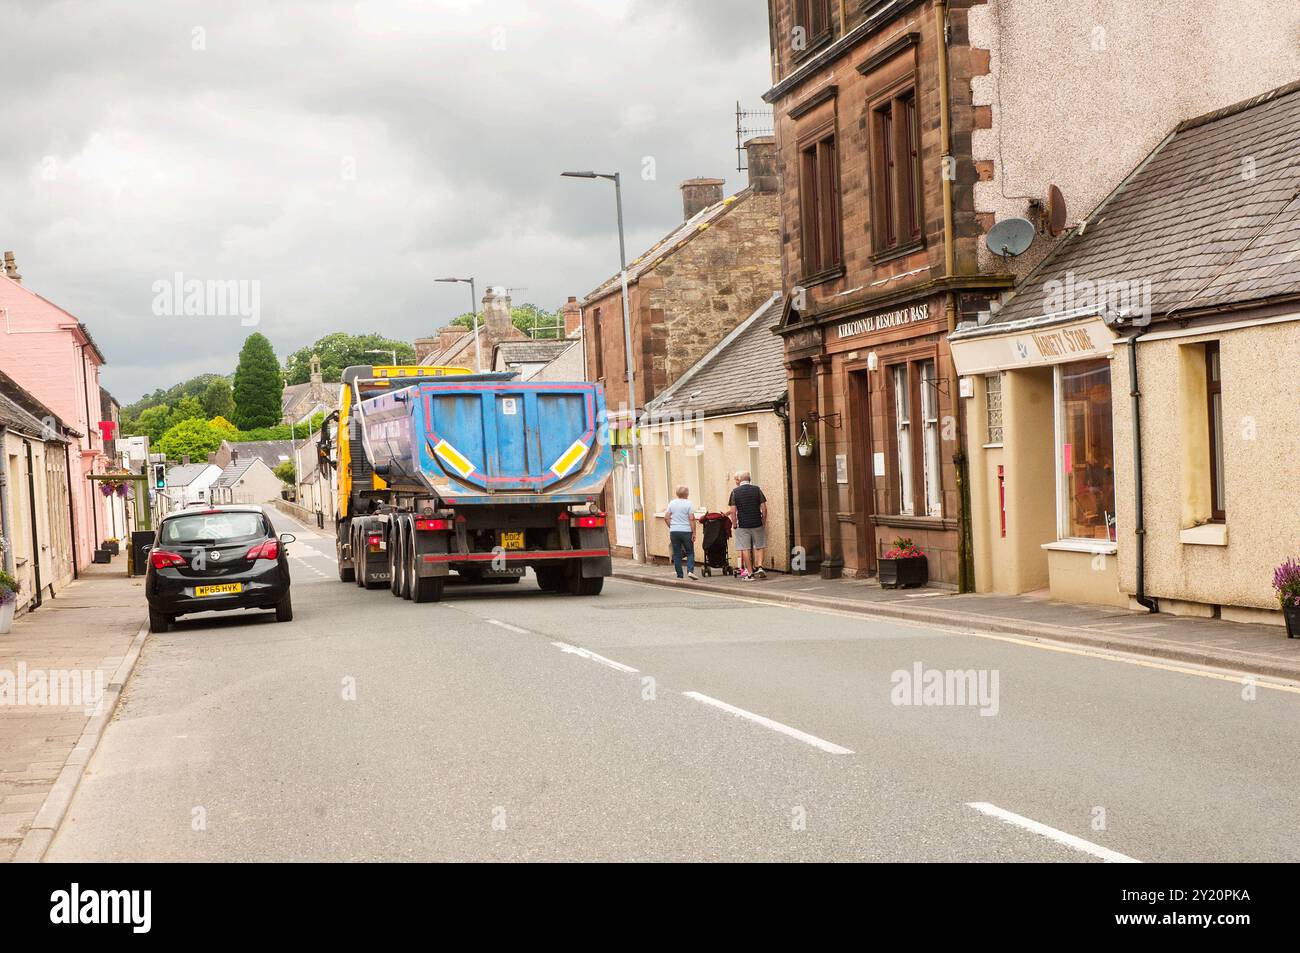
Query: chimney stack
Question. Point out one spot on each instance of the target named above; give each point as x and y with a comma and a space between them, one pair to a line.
185, 460
760, 156
699, 194
497, 321
316, 377
11, 268
425, 347
448, 336
572, 317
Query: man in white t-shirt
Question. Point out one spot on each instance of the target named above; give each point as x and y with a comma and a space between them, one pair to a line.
680, 515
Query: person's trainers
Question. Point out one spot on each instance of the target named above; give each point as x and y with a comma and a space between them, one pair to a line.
691, 575
760, 572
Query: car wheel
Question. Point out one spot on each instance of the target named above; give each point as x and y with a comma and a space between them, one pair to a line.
284, 609
580, 586
426, 589
159, 621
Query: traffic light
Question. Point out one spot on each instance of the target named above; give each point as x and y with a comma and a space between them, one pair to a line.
160, 476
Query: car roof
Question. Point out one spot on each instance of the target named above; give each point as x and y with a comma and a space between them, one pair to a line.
228, 508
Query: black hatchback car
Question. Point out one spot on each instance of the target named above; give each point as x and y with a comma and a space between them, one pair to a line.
226, 557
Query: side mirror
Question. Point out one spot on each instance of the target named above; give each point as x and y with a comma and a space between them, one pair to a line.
287, 538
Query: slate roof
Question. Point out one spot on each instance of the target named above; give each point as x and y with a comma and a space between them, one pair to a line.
671, 242
271, 452
234, 471
1210, 219
532, 352
22, 412
745, 371
185, 474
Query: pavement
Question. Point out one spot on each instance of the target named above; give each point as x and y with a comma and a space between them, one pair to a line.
1255, 649
87, 635
659, 723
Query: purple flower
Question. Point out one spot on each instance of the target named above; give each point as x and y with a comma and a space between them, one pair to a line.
1286, 581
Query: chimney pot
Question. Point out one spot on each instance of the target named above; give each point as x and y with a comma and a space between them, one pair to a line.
11, 268
699, 194
760, 157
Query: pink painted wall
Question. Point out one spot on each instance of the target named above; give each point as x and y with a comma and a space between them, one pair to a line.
44, 350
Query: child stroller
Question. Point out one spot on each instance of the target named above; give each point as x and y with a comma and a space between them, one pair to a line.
717, 530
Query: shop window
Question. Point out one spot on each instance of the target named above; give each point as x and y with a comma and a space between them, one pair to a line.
930, 455
819, 206
896, 171
993, 408
1214, 413
1085, 454
903, 433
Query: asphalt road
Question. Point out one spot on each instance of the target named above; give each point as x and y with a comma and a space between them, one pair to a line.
665, 724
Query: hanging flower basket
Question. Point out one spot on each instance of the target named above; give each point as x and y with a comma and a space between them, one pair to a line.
904, 566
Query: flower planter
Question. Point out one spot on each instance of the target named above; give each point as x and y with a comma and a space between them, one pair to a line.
112, 547
102, 556
7, 616
1292, 616
904, 573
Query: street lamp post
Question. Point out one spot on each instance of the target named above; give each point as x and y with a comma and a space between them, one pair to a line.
385, 351
638, 507
473, 301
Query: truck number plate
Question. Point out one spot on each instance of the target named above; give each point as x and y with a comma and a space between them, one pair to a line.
512, 540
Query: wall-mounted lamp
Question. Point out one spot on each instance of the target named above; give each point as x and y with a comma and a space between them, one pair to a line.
873, 362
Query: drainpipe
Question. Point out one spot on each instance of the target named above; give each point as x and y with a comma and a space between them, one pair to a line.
1139, 521
4, 505
72, 519
945, 134
782, 410
36, 543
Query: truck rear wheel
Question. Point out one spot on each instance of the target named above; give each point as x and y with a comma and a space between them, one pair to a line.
550, 578
580, 586
346, 573
426, 589
396, 561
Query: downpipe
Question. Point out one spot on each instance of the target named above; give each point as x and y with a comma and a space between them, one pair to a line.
782, 410
1139, 517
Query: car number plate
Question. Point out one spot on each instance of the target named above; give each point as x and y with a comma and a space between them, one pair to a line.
222, 590
512, 540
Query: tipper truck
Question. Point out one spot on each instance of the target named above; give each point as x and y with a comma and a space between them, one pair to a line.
438, 469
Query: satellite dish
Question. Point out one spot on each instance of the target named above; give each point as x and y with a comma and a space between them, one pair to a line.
1010, 237
1055, 211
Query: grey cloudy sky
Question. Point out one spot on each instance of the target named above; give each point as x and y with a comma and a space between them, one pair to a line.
344, 154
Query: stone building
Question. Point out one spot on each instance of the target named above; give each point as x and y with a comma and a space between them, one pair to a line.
300, 402
1183, 290
685, 294
459, 347
907, 129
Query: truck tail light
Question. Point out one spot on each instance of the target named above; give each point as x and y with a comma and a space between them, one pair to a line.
270, 549
375, 543
589, 522
427, 526
161, 559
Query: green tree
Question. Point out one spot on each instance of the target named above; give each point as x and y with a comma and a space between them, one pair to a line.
194, 438
152, 423
534, 321
285, 472
258, 386
219, 399
340, 350
225, 427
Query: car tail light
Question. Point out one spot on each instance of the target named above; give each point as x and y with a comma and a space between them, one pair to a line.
433, 525
161, 559
589, 522
267, 550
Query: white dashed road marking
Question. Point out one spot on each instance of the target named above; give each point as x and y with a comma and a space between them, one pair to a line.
1051, 833
769, 723
592, 656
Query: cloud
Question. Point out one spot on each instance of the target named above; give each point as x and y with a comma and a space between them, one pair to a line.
345, 154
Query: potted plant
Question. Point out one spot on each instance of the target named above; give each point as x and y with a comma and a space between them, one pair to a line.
113, 545
8, 600
904, 566
1286, 580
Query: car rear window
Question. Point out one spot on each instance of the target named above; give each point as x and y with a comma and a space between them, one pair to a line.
212, 527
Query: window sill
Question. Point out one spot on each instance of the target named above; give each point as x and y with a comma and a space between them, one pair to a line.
809, 281
1208, 534
815, 44
898, 251
993, 446
1098, 547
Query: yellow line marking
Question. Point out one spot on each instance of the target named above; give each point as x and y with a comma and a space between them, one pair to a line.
1042, 642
